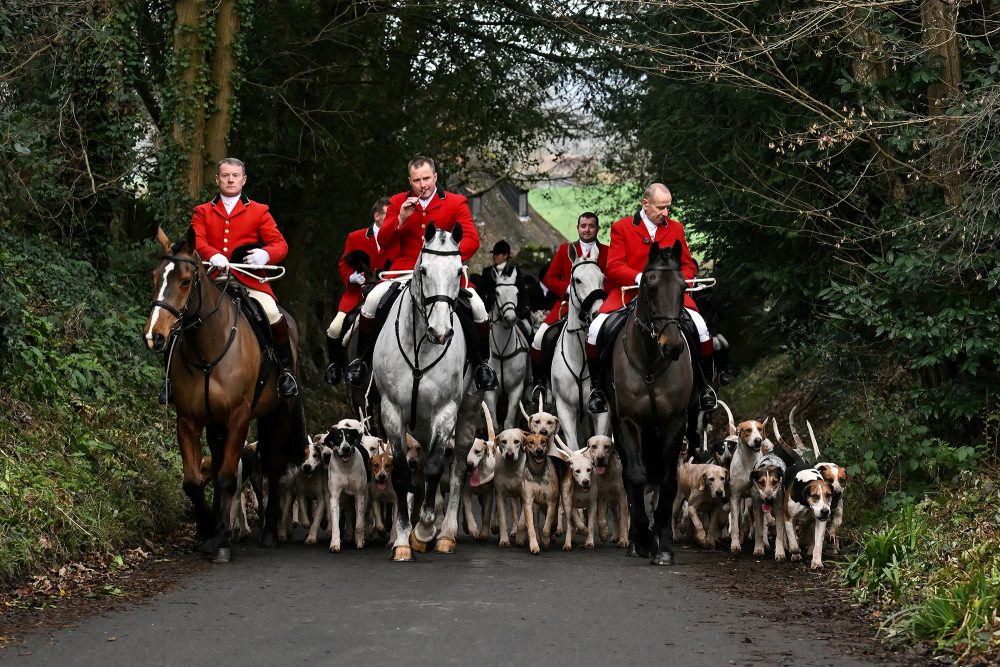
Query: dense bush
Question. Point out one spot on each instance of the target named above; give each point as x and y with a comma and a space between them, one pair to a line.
89, 461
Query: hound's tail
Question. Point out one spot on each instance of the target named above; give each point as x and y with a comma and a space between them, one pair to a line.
729, 413
785, 453
489, 423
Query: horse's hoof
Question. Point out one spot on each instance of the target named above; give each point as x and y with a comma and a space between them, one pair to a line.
222, 555
662, 558
445, 545
268, 541
208, 546
402, 555
636, 550
418, 545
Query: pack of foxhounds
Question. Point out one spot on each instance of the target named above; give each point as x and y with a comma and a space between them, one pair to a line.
751, 481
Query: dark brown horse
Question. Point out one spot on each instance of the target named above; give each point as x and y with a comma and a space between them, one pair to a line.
652, 382
215, 365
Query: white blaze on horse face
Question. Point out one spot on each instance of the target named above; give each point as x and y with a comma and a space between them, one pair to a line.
506, 301
440, 275
156, 309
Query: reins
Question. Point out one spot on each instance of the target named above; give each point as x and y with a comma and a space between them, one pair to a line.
519, 347
583, 312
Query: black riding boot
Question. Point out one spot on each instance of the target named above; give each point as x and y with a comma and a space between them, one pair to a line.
287, 386
356, 371
707, 400
477, 346
336, 352
598, 402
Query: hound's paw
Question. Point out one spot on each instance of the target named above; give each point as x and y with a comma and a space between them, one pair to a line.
622, 544
758, 551
588, 545
504, 544
736, 548
476, 535
605, 535
360, 544
534, 549
567, 547
310, 540
796, 557
815, 566
335, 548
780, 558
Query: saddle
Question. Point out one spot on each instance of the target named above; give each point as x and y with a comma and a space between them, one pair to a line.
550, 337
253, 313
616, 320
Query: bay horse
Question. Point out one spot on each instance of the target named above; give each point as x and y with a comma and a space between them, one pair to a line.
652, 385
570, 377
508, 347
215, 366
419, 371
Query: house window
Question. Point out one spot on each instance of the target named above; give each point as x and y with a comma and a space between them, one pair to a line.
522, 206
476, 206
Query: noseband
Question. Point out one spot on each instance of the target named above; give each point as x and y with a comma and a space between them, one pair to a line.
179, 314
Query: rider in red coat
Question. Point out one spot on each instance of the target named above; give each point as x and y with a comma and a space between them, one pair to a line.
406, 219
631, 239
232, 221
364, 256
557, 281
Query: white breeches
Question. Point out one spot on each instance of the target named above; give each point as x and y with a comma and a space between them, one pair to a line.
368, 308
536, 342
267, 303
699, 323
334, 330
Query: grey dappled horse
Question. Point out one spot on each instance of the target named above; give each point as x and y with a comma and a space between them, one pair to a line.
508, 347
570, 377
419, 371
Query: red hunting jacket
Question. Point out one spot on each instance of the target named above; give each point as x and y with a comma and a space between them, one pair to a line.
445, 210
363, 240
557, 276
629, 252
250, 222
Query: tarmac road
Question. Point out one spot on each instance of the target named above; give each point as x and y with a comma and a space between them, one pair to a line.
483, 605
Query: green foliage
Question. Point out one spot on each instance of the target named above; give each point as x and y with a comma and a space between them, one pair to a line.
936, 566
87, 461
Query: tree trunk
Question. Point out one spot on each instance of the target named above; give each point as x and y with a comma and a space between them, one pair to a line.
227, 25
188, 128
938, 21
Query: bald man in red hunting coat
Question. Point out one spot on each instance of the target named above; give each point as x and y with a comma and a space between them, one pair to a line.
364, 256
231, 222
406, 219
631, 239
557, 281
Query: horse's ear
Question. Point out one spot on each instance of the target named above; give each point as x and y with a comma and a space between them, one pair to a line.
677, 251
430, 232
654, 252
164, 240
192, 239
508, 270
572, 252
595, 253
457, 232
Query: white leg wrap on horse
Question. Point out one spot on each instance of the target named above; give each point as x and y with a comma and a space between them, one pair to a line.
595, 328
370, 305
267, 303
536, 342
479, 314
333, 331
699, 323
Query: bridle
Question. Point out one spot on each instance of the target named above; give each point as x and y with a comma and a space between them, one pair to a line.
426, 302
650, 325
584, 302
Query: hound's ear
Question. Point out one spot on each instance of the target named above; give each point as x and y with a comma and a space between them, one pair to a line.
525, 434
192, 239
558, 425
430, 232
755, 475
704, 481
559, 452
164, 240
411, 441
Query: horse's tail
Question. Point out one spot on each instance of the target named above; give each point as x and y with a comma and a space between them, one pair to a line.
491, 435
729, 413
